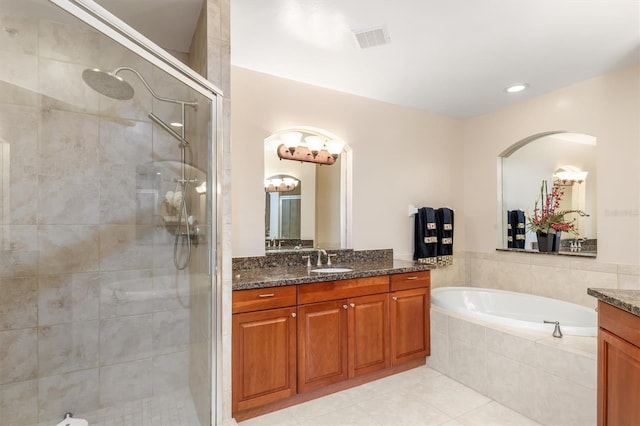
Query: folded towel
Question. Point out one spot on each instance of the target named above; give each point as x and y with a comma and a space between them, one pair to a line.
518, 228
444, 227
509, 230
425, 236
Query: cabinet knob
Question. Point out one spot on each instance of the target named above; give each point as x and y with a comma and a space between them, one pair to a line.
353, 305
394, 298
345, 307
293, 315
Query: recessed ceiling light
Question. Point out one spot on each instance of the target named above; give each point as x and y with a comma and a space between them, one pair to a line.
516, 88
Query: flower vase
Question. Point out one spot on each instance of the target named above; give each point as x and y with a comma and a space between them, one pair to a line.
548, 242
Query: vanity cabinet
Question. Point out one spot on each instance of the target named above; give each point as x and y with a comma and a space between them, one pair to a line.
263, 347
410, 328
293, 345
343, 338
322, 344
618, 366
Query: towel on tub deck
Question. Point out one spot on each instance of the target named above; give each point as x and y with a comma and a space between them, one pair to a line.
444, 227
425, 236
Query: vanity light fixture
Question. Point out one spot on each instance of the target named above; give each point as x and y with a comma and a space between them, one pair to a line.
280, 184
516, 88
569, 177
314, 148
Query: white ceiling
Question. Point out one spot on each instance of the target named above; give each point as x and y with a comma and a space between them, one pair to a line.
452, 57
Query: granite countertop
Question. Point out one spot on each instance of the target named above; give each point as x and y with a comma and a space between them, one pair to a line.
289, 275
627, 300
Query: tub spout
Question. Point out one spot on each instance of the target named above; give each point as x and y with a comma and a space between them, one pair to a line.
556, 330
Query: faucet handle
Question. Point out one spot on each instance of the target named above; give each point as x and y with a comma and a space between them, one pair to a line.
329, 256
308, 258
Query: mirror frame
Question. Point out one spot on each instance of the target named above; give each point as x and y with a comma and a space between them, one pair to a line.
346, 180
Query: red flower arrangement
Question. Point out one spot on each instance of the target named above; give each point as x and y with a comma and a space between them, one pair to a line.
547, 218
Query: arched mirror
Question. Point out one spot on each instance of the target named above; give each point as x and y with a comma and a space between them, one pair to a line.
316, 212
566, 161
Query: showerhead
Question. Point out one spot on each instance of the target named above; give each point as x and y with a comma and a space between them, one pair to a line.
108, 84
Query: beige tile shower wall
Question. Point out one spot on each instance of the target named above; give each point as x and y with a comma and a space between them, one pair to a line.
92, 312
560, 277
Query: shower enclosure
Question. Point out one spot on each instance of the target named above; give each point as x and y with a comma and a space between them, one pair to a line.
108, 223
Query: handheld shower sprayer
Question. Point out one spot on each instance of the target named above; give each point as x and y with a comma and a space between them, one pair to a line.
110, 84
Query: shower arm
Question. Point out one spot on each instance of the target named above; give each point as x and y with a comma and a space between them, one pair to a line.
154, 94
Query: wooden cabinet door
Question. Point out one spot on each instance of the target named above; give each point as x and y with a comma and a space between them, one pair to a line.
409, 325
264, 357
369, 345
322, 344
618, 381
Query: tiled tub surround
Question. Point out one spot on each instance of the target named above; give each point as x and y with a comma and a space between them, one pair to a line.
92, 312
560, 277
550, 380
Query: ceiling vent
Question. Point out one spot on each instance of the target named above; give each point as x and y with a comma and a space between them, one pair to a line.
372, 37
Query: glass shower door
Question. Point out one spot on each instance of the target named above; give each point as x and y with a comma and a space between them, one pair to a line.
107, 229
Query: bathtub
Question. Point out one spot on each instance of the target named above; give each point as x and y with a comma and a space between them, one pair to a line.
495, 342
517, 310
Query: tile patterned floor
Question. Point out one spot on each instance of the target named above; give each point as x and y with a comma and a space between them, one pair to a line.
418, 397
174, 409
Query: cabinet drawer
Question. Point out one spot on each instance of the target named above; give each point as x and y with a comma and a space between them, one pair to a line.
263, 298
410, 280
619, 322
342, 289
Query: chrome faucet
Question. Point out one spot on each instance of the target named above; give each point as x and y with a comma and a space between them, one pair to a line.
320, 253
556, 330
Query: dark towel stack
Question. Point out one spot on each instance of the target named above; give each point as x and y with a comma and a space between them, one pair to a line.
516, 229
444, 221
426, 236
433, 236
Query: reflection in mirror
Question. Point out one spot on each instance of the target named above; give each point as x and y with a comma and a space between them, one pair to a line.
282, 207
565, 160
315, 214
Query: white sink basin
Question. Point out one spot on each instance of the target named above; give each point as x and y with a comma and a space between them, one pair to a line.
331, 270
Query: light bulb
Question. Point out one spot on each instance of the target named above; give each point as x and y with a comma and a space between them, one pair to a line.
315, 144
335, 148
291, 140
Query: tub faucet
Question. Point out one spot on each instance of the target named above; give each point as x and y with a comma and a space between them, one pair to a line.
556, 330
320, 253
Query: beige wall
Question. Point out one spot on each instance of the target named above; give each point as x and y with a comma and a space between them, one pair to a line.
607, 108
401, 156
